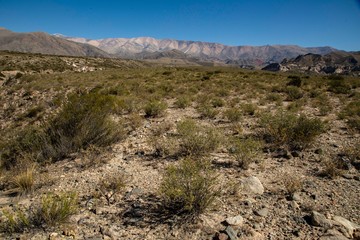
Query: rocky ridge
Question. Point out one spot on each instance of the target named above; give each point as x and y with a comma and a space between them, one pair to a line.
332, 63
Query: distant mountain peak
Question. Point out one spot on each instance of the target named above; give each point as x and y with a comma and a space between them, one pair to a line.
143, 47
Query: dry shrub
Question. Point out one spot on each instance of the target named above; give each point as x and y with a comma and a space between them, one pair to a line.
245, 151
292, 183
189, 188
195, 139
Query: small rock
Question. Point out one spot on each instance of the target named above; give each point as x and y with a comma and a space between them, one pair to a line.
252, 185
53, 236
347, 176
294, 205
231, 233
296, 196
350, 227
333, 234
357, 178
222, 236
235, 221
318, 219
282, 153
262, 212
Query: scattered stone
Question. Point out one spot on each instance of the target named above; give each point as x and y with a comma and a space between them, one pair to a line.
333, 234
296, 196
282, 153
252, 185
231, 233
349, 226
319, 220
221, 236
262, 212
235, 221
347, 176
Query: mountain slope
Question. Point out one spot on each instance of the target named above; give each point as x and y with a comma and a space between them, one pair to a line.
38, 42
249, 55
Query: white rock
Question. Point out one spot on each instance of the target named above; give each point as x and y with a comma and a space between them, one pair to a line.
350, 226
252, 185
235, 221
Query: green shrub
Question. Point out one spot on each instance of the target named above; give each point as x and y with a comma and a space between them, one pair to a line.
249, 108
233, 114
14, 221
155, 108
293, 93
195, 139
337, 84
295, 131
189, 188
207, 111
56, 208
351, 113
245, 151
24, 181
52, 210
217, 102
294, 81
83, 121
183, 102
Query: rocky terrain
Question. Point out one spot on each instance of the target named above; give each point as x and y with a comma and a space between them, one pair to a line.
270, 189
332, 63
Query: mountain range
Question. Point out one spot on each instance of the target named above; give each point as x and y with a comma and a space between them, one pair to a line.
151, 48
141, 47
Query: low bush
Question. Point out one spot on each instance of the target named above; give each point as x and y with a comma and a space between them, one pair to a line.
207, 111
23, 182
245, 151
351, 112
189, 188
195, 139
183, 102
83, 121
338, 85
56, 208
233, 114
155, 108
249, 108
52, 210
283, 128
294, 81
292, 183
112, 185
293, 93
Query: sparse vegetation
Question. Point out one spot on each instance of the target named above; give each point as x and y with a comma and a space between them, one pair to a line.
223, 120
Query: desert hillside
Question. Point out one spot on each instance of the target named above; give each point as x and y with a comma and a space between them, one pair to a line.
94, 148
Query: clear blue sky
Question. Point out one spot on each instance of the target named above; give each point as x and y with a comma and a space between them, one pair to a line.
306, 23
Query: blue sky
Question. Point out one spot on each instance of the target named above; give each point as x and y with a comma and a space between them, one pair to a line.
306, 23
